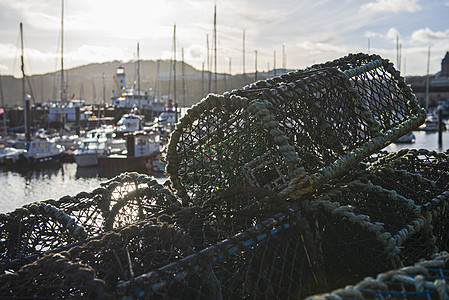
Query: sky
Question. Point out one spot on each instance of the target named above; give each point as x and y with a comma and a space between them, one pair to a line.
306, 31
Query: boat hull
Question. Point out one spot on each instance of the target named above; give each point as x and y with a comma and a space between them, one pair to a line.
86, 160
122, 163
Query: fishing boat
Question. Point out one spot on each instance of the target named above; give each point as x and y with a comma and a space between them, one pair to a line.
132, 97
97, 142
141, 149
40, 151
86, 155
129, 122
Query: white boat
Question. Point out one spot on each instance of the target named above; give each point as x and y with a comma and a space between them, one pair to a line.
87, 152
10, 154
130, 122
70, 141
130, 98
167, 117
44, 151
97, 142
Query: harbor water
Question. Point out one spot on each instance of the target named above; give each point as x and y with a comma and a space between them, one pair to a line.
19, 187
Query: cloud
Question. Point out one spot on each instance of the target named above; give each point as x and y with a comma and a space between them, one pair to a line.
321, 47
394, 6
426, 35
391, 34
4, 69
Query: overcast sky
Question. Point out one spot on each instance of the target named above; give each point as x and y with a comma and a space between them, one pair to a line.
312, 31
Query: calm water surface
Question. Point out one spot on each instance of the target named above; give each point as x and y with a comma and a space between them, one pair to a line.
19, 187
23, 187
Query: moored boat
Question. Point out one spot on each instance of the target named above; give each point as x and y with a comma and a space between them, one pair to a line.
141, 149
86, 155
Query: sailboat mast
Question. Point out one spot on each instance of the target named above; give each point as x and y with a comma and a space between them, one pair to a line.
215, 46
5, 127
243, 60
183, 79
428, 81
26, 115
174, 74
138, 76
255, 66
62, 53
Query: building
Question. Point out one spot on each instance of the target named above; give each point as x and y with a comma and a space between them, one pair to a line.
438, 87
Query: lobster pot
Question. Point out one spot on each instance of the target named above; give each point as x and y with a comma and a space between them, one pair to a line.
251, 248
294, 132
34, 229
365, 229
267, 261
121, 201
93, 269
223, 143
423, 280
421, 176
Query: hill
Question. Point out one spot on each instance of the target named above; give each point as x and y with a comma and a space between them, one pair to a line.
94, 82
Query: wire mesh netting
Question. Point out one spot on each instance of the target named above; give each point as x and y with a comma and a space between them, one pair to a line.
234, 221
296, 131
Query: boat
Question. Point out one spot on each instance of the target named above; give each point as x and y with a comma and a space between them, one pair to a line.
129, 98
407, 138
65, 111
431, 124
167, 117
43, 151
97, 142
129, 122
9, 154
141, 149
87, 152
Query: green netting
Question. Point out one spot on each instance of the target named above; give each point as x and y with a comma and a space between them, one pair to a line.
424, 280
294, 132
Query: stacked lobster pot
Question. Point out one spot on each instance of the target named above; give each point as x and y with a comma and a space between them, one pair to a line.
278, 190
292, 133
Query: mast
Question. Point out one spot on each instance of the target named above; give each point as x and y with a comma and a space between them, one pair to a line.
243, 63
284, 58
274, 62
427, 98
174, 74
138, 76
215, 46
62, 53
104, 96
183, 80
5, 127
24, 96
62, 70
230, 74
209, 68
202, 79
156, 88
255, 66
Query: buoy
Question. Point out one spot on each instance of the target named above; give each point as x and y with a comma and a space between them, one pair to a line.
149, 165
